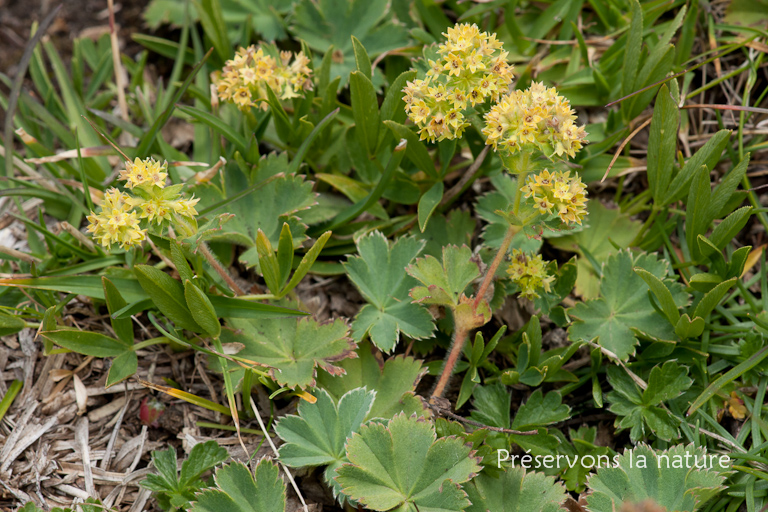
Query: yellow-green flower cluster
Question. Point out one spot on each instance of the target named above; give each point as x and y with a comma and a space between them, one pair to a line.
244, 79
559, 193
471, 69
535, 118
529, 273
118, 221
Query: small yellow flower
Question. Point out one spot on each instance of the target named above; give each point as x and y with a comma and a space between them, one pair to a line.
535, 118
529, 273
245, 79
144, 173
557, 193
471, 69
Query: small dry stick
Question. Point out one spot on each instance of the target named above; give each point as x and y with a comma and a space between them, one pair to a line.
274, 449
446, 411
119, 83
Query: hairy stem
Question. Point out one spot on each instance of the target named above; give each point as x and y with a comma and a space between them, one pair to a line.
219, 269
459, 338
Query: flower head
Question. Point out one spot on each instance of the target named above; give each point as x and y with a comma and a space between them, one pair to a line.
121, 214
116, 223
557, 193
471, 68
535, 118
245, 79
144, 173
529, 273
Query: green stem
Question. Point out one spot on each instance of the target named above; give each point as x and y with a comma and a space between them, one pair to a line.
648, 224
149, 343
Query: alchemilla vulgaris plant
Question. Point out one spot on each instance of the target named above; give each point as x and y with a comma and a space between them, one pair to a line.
394, 256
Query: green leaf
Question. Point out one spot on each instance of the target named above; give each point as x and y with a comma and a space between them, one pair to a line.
687, 328
416, 151
333, 22
122, 367
379, 274
665, 383
708, 154
86, 342
167, 294
203, 457
292, 348
362, 60
268, 264
399, 375
402, 465
606, 229
662, 144
444, 282
317, 436
365, 111
115, 302
712, 298
662, 293
515, 491
217, 125
541, 410
491, 405
662, 477
306, 262
456, 228
632, 50
624, 310
428, 202
239, 491
278, 201
202, 309
10, 324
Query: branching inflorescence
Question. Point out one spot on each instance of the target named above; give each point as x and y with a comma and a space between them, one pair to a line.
244, 80
522, 127
119, 220
471, 69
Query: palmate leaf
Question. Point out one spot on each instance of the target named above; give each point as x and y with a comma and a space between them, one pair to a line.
604, 230
267, 208
317, 436
379, 274
394, 382
322, 23
239, 491
444, 282
642, 412
670, 478
624, 310
515, 491
292, 349
402, 465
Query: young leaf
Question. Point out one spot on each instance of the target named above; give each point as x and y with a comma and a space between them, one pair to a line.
277, 202
515, 491
167, 294
428, 203
663, 477
624, 308
662, 144
292, 348
379, 274
123, 327
642, 412
402, 465
86, 342
238, 490
398, 376
365, 111
201, 308
444, 283
317, 436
